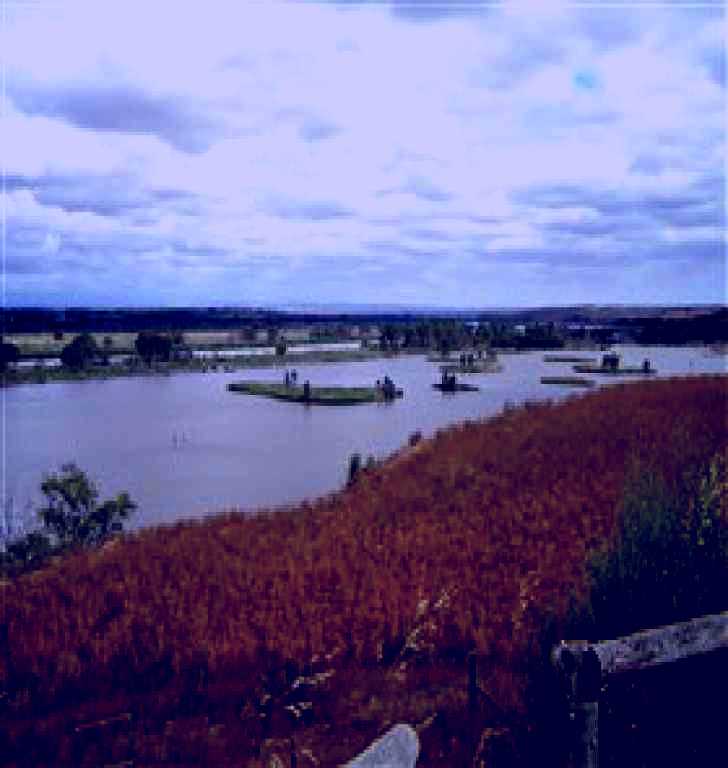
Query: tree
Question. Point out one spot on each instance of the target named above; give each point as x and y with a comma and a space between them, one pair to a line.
72, 514
153, 346
80, 352
389, 335
9, 353
280, 347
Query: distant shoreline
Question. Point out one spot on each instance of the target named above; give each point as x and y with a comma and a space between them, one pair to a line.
43, 375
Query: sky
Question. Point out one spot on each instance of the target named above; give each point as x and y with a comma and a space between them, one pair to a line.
427, 154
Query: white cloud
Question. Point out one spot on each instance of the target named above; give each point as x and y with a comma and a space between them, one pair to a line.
302, 133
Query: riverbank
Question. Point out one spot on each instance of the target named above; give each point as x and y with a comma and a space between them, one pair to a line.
42, 375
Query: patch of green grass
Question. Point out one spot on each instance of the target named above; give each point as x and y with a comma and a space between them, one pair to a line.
569, 381
317, 395
568, 359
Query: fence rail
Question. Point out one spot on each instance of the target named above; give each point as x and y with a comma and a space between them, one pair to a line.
582, 666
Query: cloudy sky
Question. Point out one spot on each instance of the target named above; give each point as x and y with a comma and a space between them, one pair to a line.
469, 154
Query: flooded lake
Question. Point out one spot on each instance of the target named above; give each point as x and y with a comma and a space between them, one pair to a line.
182, 446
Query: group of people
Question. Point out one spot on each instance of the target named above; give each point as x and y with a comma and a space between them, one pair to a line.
449, 381
291, 378
387, 388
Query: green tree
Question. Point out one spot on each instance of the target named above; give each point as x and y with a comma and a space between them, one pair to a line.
9, 353
153, 346
72, 513
80, 352
389, 336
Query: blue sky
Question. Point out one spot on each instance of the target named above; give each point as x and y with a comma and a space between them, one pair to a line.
531, 153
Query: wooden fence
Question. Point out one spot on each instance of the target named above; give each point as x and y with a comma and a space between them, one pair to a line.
583, 666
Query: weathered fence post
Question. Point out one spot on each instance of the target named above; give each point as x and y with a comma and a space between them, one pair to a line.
581, 671
581, 666
472, 680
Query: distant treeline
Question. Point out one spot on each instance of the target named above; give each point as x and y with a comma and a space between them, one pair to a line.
710, 329
543, 326
37, 320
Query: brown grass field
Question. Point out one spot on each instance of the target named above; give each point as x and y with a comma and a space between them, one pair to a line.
315, 628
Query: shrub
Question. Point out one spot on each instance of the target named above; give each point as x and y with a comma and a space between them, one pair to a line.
71, 517
80, 352
670, 562
354, 467
153, 346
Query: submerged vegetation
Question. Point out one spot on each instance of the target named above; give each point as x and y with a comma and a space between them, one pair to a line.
313, 628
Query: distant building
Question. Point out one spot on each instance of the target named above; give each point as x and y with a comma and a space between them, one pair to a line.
372, 333
295, 334
520, 329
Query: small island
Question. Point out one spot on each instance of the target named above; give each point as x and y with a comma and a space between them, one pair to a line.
449, 383
290, 390
478, 366
471, 363
611, 366
569, 359
568, 381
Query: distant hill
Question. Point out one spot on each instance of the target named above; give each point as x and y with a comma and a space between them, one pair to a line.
41, 319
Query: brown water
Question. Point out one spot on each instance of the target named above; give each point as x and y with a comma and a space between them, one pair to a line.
183, 446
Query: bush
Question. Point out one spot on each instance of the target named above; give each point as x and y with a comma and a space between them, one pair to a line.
415, 438
153, 346
80, 352
9, 353
72, 514
671, 559
354, 467
71, 517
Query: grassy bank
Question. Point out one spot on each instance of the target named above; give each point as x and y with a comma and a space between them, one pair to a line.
315, 628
